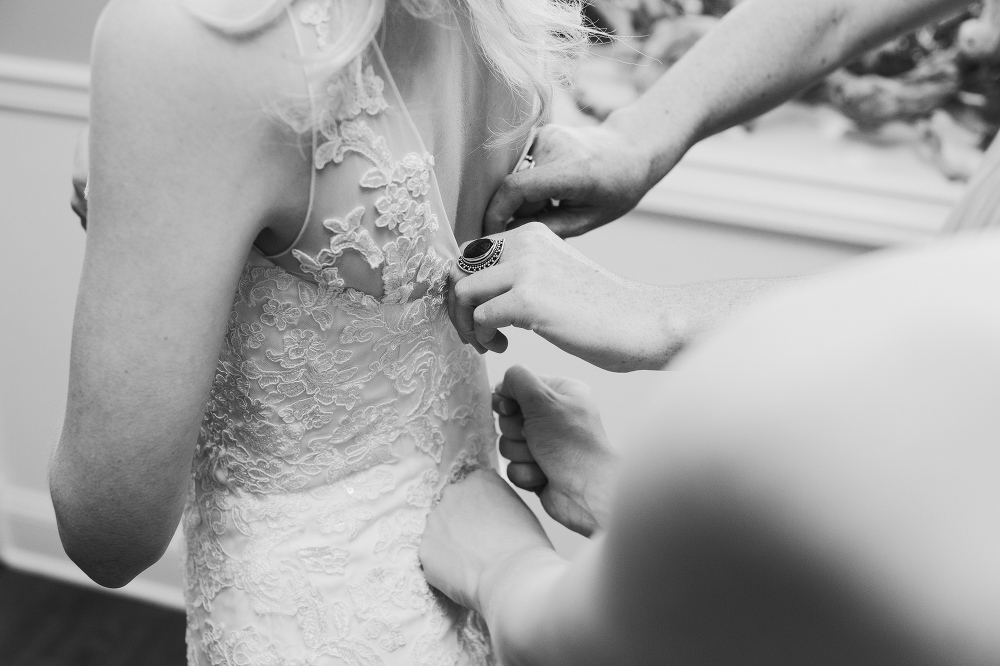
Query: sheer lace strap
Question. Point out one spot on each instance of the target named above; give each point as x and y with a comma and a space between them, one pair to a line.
300, 46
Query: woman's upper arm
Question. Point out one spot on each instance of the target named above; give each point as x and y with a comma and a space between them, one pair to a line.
186, 167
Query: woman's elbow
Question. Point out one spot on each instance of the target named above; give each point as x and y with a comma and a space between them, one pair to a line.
104, 546
108, 559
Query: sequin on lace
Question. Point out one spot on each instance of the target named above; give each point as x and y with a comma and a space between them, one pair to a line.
334, 420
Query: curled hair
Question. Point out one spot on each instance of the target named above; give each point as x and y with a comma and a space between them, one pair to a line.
531, 45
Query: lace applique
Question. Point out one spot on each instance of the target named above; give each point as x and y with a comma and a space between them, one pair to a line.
324, 559
420, 494
307, 369
317, 14
379, 588
474, 637
258, 284
428, 437
280, 315
467, 462
240, 647
347, 235
352, 136
355, 90
402, 531
316, 300
343, 502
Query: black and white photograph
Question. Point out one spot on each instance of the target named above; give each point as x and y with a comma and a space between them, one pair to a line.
500, 333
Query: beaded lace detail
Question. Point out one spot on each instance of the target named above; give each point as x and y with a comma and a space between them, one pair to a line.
335, 417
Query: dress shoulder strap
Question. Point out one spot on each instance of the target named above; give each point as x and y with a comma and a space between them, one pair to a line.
307, 16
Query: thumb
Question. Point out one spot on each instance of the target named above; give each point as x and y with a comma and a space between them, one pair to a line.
566, 223
544, 182
524, 387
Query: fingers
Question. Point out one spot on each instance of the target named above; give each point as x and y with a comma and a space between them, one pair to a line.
527, 476
81, 171
532, 186
524, 387
468, 292
569, 223
512, 427
502, 404
79, 206
507, 199
460, 308
515, 451
494, 314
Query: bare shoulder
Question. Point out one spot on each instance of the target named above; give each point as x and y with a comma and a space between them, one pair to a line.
176, 103
161, 45
153, 37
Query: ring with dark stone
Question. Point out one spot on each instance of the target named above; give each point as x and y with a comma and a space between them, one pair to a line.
480, 254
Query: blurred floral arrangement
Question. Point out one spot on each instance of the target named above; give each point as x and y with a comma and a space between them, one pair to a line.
943, 79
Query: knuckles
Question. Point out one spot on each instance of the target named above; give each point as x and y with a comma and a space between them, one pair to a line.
481, 315
463, 292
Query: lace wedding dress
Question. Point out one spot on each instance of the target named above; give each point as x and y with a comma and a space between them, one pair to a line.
343, 402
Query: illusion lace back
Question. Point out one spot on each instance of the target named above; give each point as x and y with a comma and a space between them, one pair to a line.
343, 402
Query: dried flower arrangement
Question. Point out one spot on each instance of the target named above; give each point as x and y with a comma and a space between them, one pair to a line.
947, 72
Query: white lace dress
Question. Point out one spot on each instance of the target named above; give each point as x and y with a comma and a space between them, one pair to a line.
343, 402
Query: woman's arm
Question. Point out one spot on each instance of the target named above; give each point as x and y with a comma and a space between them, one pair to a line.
545, 285
186, 169
818, 484
759, 55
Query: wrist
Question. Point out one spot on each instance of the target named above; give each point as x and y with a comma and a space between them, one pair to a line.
673, 321
662, 326
512, 592
661, 136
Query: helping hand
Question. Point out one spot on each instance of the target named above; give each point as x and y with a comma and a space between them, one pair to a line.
596, 173
477, 527
551, 432
81, 171
544, 284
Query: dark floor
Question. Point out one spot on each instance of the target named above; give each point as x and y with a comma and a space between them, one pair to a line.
47, 623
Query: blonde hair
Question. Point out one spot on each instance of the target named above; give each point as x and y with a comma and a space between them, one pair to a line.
531, 45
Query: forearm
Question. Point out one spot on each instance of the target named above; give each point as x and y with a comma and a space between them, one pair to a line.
761, 54
542, 609
686, 312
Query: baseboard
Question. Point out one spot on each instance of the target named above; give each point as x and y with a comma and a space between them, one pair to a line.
29, 541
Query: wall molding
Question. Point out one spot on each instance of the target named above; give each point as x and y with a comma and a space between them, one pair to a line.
48, 87
29, 541
760, 189
780, 198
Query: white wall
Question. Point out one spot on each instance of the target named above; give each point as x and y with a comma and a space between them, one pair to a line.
51, 29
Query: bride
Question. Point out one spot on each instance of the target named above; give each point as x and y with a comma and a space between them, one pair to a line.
261, 350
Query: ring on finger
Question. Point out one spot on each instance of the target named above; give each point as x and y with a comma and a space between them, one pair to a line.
481, 254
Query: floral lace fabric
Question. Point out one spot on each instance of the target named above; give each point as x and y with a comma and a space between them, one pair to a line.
342, 402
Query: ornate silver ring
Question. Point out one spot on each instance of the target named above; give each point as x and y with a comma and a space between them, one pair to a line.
480, 254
